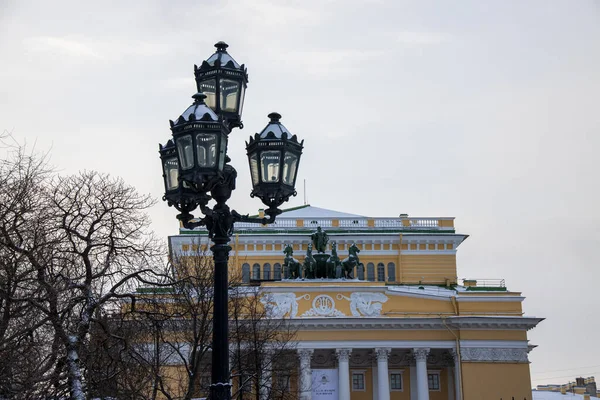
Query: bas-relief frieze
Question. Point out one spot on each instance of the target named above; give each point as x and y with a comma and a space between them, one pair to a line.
488, 354
278, 305
323, 306
362, 304
365, 304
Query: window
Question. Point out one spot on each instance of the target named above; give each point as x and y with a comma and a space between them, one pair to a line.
286, 272
277, 271
371, 272
391, 272
358, 381
267, 271
361, 272
433, 381
282, 382
396, 380
256, 271
246, 273
380, 272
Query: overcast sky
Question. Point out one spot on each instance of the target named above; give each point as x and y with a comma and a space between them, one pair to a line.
488, 111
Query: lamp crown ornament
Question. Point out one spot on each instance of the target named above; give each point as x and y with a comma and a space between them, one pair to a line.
221, 46
275, 117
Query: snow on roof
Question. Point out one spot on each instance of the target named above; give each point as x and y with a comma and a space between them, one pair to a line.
543, 395
316, 212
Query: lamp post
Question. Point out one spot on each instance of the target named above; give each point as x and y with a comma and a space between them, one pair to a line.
196, 170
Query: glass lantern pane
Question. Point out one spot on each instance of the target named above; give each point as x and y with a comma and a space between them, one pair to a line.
269, 161
206, 146
171, 170
290, 164
242, 94
222, 152
209, 88
254, 169
185, 151
229, 95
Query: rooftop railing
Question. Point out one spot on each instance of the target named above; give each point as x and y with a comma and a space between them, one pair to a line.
360, 223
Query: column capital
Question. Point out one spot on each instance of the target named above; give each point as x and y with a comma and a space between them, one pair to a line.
382, 353
421, 354
454, 354
305, 355
343, 354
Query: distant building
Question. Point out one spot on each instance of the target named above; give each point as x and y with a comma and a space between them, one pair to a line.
579, 386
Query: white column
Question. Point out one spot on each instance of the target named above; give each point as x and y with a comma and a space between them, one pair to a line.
343, 356
383, 380
266, 376
413, 382
305, 384
451, 391
422, 384
457, 379
375, 383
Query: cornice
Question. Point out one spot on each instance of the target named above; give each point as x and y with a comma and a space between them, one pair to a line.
455, 322
490, 299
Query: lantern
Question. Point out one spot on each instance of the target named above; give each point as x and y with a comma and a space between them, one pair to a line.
200, 143
224, 82
274, 156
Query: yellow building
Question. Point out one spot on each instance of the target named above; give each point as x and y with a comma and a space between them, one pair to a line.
403, 327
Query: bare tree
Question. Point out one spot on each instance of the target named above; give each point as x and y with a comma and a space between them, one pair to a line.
179, 322
171, 341
69, 246
26, 346
263, 347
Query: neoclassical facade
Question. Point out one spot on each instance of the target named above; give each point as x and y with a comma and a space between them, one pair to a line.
402, 327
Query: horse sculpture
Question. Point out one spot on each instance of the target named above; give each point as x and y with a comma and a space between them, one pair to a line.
350, 262
310, 264
333, 262
289, 262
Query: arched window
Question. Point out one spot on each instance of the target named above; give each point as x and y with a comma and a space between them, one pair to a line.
286, 272
267, 271
246, 273
277, 271
370, 272
361, 272
391, 272
380, 272
256, 271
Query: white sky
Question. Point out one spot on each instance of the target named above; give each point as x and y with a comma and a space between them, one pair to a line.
488, 111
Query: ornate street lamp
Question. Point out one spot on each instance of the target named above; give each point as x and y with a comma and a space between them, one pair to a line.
274, 155
196, 169
224, 82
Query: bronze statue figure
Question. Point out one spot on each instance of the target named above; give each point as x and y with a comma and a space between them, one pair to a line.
333, 263
310, 264
319, 240
350, 262
289, 262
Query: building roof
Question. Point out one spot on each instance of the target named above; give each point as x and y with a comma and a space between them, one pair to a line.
544, 395
307, 218
309, 211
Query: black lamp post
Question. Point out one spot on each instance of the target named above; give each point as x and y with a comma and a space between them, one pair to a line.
196, 169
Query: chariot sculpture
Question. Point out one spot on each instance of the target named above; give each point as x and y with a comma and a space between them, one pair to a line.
321, 265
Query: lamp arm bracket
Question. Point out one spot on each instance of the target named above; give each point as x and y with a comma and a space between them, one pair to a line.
195, 224
271, 212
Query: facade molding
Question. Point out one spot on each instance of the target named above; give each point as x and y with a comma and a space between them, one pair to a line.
490, 299
373, 344
433, 323
495, 355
